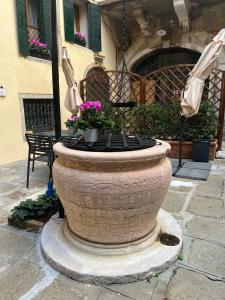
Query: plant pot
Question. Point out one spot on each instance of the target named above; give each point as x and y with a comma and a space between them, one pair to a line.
79, 132
70, 129
200, 150
187, 149
90, 135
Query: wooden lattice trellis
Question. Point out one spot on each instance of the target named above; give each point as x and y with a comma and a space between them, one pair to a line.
163, 86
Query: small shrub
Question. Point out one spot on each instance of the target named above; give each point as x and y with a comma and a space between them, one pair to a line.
164, 122
35, 209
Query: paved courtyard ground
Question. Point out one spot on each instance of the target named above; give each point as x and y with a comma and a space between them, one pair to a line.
199, 273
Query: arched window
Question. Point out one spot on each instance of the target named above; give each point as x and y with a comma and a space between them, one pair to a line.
167, 57
97, 85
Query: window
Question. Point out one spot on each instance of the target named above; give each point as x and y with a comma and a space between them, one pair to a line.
38, 113
84, 17
96, 77
33, 20
76, 11
34, 23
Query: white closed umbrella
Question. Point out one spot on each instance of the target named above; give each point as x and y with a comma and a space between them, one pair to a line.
210, 58
73, 99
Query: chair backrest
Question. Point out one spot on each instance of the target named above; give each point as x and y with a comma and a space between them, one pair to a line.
40, 144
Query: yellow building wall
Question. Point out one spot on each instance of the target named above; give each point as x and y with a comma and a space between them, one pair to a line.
28, 75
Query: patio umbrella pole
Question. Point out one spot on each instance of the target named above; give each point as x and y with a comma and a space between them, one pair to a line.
180, 164
55, 84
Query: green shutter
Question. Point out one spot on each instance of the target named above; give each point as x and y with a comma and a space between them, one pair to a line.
46, 22
22, 27
68, 20
94, 27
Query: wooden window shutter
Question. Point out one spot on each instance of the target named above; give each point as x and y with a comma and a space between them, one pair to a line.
94, 27
68, 20
22, 27
46, 22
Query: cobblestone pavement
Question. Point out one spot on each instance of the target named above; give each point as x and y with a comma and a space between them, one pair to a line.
199, 273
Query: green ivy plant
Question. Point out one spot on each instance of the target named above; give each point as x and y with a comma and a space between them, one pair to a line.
35, 209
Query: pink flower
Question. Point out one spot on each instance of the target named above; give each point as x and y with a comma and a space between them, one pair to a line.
91, 104
39, 44
80, 36
73, 118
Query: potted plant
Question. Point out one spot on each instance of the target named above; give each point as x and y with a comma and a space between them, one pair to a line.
91, 119
164, 123
39, 49
80, 39
201, 129
70, 123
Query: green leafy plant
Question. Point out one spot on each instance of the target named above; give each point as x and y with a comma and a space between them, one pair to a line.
35, 209
80, 39
180, 257
164, 122
204, 125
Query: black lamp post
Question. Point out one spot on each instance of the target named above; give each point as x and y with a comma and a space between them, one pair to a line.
55, 71
55, 84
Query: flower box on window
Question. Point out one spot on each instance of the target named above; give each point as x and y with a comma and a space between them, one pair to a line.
39, 49
80, 39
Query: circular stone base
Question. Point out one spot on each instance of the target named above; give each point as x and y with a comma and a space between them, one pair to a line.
80, 261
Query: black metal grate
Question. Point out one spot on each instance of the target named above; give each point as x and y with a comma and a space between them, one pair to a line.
111, 142
38, 113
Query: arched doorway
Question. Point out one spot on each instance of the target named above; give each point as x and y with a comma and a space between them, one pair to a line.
164, 57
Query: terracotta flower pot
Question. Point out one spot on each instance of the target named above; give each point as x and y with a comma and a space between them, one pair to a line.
112, 198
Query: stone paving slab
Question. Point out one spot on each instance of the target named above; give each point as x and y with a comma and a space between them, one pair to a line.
212, 188
18, 278
208, 257
142, 290
189, 285
15, 243
206, 206
208, 229
174, 201
64, 288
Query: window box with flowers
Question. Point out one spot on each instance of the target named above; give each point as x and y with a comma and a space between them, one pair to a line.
80, 39
39, 49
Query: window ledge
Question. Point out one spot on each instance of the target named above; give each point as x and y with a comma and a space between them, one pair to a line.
83, 48
37, 59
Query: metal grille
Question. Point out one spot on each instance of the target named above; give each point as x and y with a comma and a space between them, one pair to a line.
124, 90
111, 142
38, 113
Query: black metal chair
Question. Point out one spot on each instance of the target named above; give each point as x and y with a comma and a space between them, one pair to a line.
40, 149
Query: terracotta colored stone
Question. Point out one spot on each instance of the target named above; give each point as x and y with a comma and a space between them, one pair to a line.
112, 198
187, 149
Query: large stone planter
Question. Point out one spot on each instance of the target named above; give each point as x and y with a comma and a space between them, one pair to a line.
112, 198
